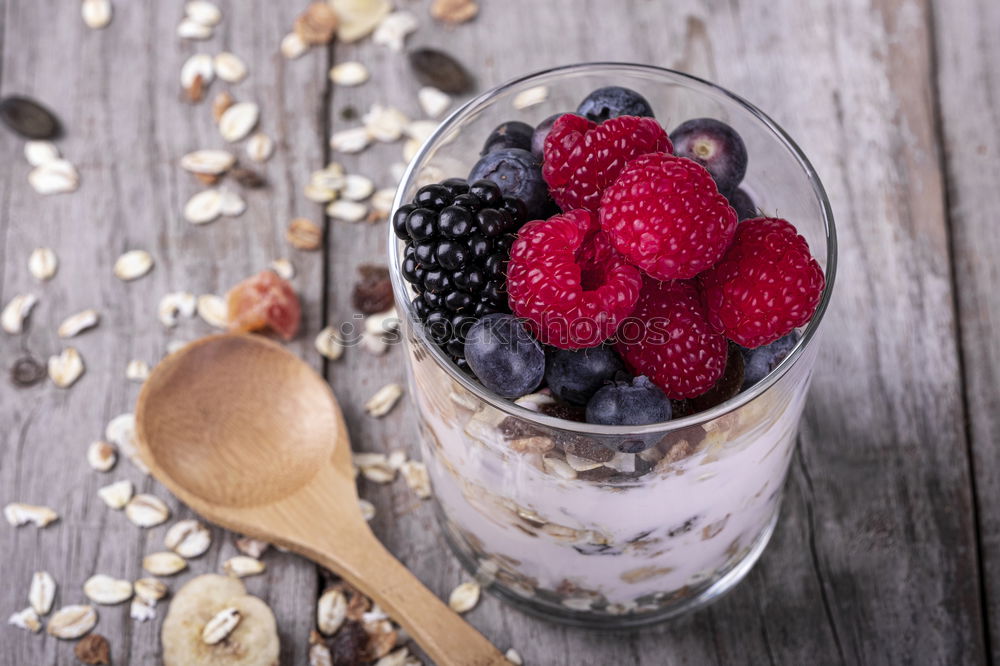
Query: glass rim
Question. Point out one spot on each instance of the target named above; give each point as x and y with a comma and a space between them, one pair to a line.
508, 406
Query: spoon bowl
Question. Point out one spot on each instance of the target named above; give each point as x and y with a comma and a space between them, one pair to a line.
252, 438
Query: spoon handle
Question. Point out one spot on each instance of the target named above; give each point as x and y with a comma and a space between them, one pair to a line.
366, 564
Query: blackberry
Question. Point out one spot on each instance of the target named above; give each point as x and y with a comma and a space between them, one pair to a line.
458, 238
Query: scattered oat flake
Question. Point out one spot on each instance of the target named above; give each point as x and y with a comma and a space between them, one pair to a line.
108, 591
284, 268
203, 12
410, 149
396, 658
319, 194
329, 344
147, 510
384, 400
304, 234
238, 121
229, 67
357, 187
352, 140
331, 611
385, 123
347, 211
116, 495
319, 655
260, 147
367, 509
349, 74
433, 101
79, 322
375, 467
141, 610
54, 177
93, 650
421, 130
197, 66
209, 161
71, 622
16, 312
26, 619
317, 24
40, 152
382, 322
96, 13
137, 371
464, 597
382, 200
220, 626
150, 590
164, 563
190, 29
357, 18
416, 477
133, 265
43, 263
531, 97
251, 547
374, 344
212, 309
101, 456
175, 305
42, 592
394, 28
188, 538
292, 46
66, 367
231, 203
514, 657
243, 565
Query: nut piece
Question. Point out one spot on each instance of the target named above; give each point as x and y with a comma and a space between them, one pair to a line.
331, 611
260, 147
66, 368
147, 510
76, 324
251, 547
464, 597
106, 590
188, 538
150, 590
102, 456
116, 495
316, 25
174, 305
242, 566
209, 162
384, 400
329, 344
416, 477
164, 563
229, 67
221, 625
137, 371
133, 265
26, 619
434, 102
93, 649
17, 310
292, 46
42, 592
349, 74
454, 11
18, 514
39, 152
304, 234
54, 177
43, 263
71, 622
238, 120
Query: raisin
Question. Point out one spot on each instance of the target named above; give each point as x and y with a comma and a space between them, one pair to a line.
373, 292
349, 645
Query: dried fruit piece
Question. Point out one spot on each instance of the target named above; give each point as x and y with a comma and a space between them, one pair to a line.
106, 590
349, 74
42, 592
260, 147
464, 597
101, 456
350, 644
66, 368
241, 566
317, 24
221, 625
264, 300
384, 400
229, 67
440, 70
454, 11
26, 619
331, 611
357, 18
55, 177
96, 14
93, 649
16, 312
188, 538
133, 265
238, 120
43, 263
147, 510
28, 118
164, 563
116, 495
304, 234
71, 622
373, 292
76, 324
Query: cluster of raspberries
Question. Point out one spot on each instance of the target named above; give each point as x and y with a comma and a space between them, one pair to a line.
650, 256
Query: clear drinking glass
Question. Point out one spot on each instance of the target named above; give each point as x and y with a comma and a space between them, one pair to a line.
548, 513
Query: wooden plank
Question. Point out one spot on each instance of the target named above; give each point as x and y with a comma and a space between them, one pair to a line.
968, 84
117, 93
868, 564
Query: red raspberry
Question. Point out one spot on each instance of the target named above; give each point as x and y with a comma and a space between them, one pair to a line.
666, 215
567, 281
582, 158
669, 340
766, 285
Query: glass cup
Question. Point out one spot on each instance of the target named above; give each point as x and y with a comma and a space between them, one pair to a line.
555, 516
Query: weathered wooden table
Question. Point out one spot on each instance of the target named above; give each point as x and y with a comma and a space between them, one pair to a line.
889, 547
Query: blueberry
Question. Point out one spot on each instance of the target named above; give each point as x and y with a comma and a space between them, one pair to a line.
434, 197
759, 362
455, 221
630, 403
513, 134
542, 130
614, 101
714, 145
399, 221
504, 355
575, 375
743, 205
421, 223
519, 175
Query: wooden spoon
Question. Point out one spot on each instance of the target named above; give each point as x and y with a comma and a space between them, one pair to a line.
252, 438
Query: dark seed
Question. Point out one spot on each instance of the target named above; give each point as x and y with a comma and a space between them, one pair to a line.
26, 372
28, 118
373, 292
438, 69
349, 645
248, 178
